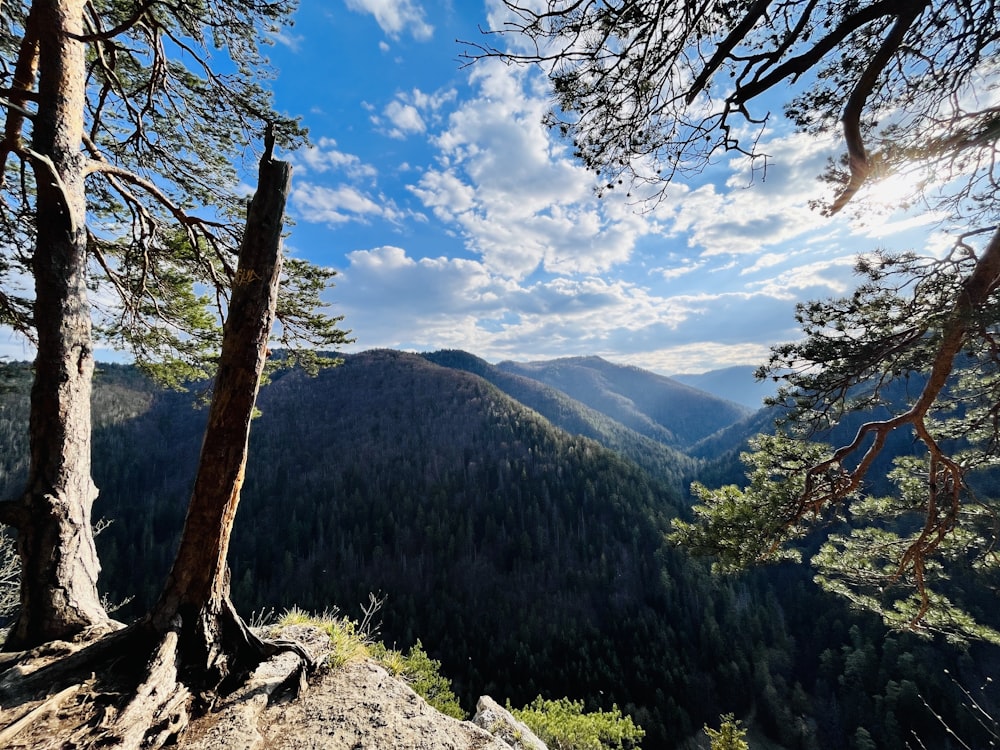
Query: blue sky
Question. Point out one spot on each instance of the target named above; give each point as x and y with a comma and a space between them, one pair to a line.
455, 220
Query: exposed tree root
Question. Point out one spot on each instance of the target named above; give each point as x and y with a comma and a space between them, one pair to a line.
158, 711
10, 732
139, 688
150, 678
42, 670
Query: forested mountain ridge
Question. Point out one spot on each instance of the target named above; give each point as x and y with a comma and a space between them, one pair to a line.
653, 405
577, 418
528, 560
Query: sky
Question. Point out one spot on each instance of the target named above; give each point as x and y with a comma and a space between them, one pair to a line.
456, 220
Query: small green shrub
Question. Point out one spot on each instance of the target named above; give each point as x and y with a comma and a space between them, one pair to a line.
423, 674
729, 735
353, 641
563, 725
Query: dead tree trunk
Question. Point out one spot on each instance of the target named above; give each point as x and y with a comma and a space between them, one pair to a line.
193, 641
55, 539
197, 589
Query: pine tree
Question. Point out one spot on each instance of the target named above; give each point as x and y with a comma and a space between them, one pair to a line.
729, 735
118, 154
653, 91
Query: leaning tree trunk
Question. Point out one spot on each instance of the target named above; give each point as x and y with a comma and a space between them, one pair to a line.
55, 538
197, 589
193, 641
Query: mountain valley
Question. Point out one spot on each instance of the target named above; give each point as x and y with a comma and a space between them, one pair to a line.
512, 517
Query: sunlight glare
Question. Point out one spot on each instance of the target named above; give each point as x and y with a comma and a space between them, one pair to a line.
893, 191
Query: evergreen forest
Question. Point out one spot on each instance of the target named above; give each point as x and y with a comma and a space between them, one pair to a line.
513, 517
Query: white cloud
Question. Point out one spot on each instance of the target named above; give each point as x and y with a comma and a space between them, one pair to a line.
700, 357
405, 118
748, 213
395, 17
521, 202
820, 278
433, 102
879, 229
433, 303
767, 260
338, 205
517, 197
410, 112
323, 156
668, 273
288, 39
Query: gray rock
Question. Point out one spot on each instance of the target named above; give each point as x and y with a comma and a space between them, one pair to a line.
360, 706
499, 722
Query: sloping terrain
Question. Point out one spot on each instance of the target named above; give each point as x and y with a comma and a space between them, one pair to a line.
736, 384
577, 418
527, 559
652, 405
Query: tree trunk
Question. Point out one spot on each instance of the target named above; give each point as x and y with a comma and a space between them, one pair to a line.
193, 643
197, 589
55, 538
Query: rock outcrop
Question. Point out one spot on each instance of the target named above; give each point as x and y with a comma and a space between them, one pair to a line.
499, 722
358, 706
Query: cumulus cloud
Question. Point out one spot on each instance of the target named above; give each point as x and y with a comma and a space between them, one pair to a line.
410, 111
700, 357
324, 156
339, 205
821, 278
522, 203
767, 260
396, 17
432, 303
405, 119
517, 197
683, 268
499, 245
553, 270
748, 213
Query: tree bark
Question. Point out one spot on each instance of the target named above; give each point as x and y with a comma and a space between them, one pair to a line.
197, 588
59, 595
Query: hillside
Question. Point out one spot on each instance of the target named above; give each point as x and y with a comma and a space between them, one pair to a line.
577, 418
531, 559
652, 405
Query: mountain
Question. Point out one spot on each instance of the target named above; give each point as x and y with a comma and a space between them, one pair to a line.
529, 560
533, 560
736, 384
652, 405
577, 418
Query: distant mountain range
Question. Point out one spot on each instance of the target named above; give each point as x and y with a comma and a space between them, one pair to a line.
653, 405
736, 384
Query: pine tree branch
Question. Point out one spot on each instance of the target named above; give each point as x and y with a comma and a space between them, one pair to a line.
856, 154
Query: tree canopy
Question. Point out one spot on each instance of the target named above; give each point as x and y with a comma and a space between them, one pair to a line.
168, 138
126, 128
652, 91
